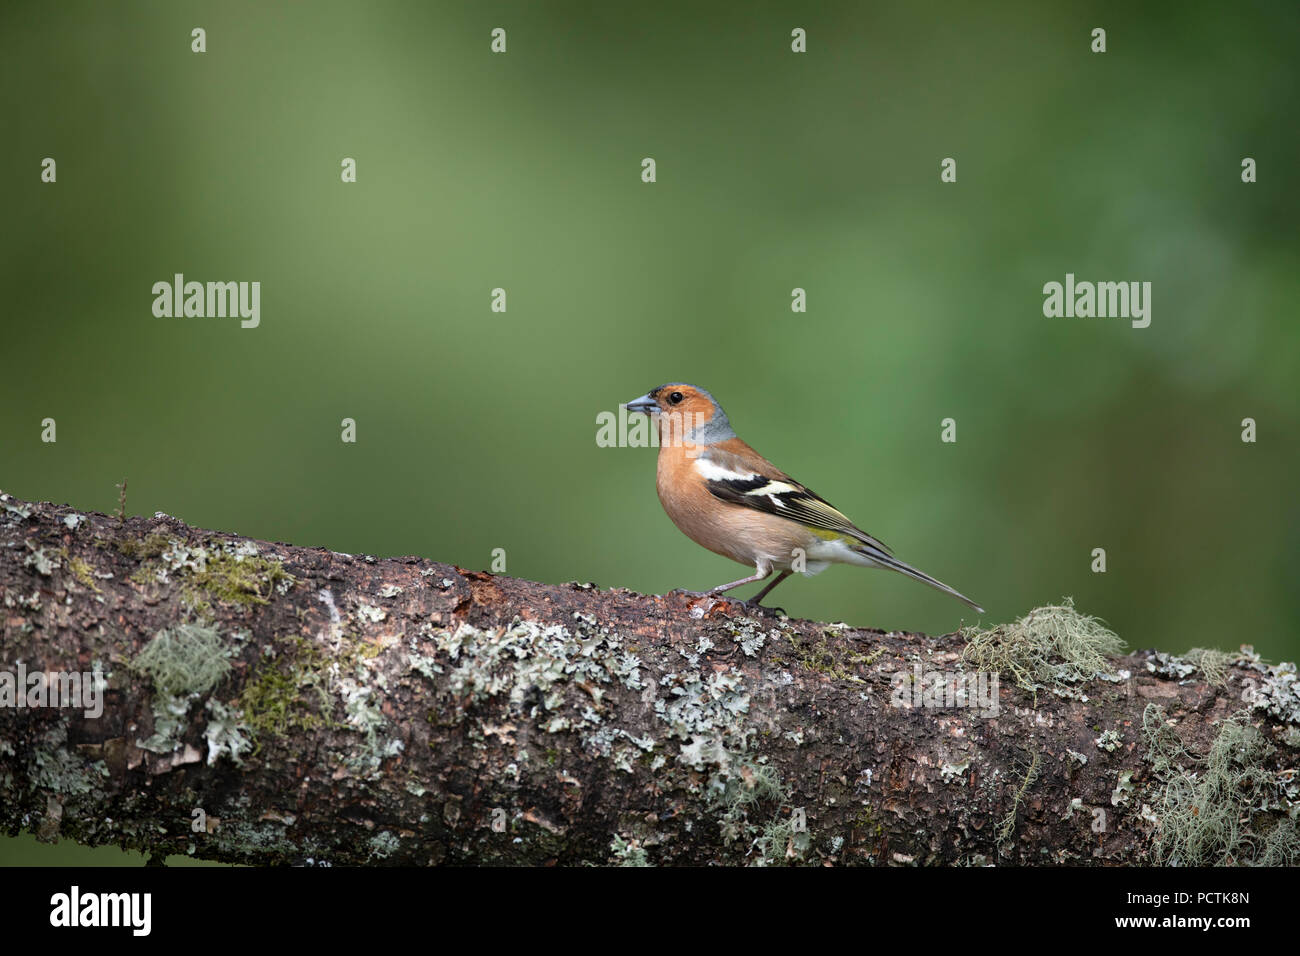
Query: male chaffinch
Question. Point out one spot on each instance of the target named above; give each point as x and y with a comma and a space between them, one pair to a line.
727, 497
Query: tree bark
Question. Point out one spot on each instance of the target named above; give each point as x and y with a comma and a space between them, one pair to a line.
275, 704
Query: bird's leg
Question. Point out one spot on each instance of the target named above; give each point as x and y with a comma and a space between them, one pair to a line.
763, 593
761, 572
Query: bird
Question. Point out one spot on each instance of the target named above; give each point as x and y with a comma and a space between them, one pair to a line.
725, 496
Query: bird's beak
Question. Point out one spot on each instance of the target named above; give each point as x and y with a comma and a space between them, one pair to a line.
644, 404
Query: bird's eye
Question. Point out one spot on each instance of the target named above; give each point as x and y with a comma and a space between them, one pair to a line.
675, 398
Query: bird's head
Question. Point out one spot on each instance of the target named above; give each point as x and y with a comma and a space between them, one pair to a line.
684, 411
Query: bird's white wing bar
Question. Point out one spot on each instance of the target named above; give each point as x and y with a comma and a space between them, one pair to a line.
712, 471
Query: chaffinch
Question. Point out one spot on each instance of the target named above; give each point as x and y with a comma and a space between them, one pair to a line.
727, 497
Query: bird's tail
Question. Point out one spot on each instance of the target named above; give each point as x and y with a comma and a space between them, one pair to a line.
891, 562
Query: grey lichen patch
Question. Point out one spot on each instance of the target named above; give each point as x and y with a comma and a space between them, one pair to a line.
1226, 808
1070, 693
550, 673
369, 614
359, 682
227, 734
1049, 646
627, 852
609, 741
562, 677
707, 712
55, 766
363, 715
18, 511
268, 842
752, 634
1212, 664
1168, 665
189, 658
44, 563
954, 772
1276, 690
169, 715
184, 663
1123, 788
536, 666
626, 668
32, 602
383, 845
424, 664
1109, 741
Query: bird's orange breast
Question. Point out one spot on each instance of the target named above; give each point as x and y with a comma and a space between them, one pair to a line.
733, 531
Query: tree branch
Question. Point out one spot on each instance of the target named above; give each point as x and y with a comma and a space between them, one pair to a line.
273, 704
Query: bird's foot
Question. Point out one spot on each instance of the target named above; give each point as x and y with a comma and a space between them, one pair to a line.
770, 611
704, 601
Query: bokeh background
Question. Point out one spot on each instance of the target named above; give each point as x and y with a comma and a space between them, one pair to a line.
476, 430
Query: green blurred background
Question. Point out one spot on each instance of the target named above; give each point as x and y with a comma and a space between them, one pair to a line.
476, 430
